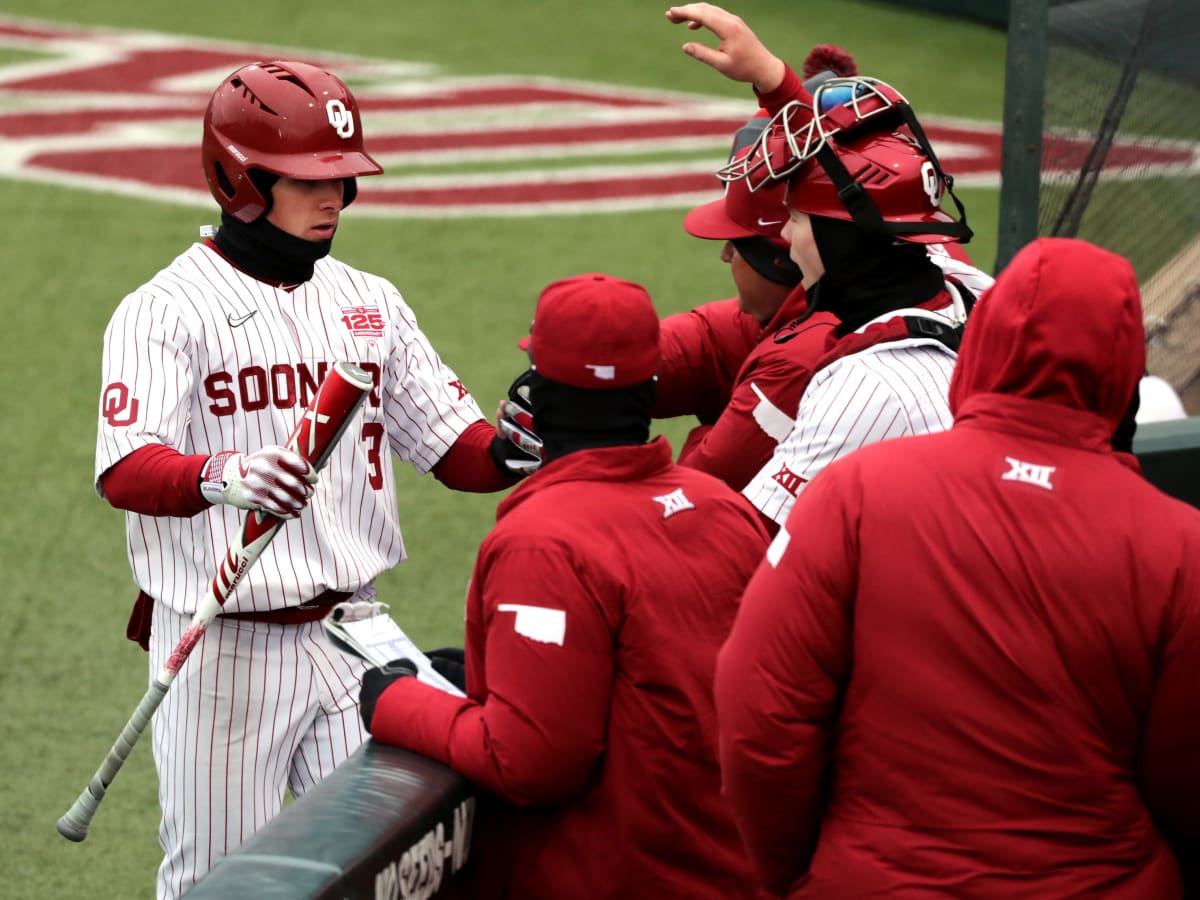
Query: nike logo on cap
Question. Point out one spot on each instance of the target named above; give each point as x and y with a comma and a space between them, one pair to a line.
764, 223
235, 321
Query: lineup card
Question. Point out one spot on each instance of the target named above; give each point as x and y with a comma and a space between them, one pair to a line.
367, 631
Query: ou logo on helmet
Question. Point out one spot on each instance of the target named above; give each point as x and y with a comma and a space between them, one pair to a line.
932, 184
340, 118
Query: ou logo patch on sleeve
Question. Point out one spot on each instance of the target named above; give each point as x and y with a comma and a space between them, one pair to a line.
538, 623
340, 118
117, 407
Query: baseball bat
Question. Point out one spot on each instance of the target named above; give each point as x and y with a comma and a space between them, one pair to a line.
338, 398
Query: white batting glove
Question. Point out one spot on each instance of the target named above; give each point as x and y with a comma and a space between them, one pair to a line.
272, 480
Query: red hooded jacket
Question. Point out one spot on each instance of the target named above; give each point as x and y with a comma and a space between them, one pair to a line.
970, 665
594, 616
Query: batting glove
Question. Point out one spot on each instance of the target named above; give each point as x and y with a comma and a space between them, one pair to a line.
272, 480
376, 681
516, 449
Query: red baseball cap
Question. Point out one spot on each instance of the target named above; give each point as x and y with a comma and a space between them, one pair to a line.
741, 213
594, 331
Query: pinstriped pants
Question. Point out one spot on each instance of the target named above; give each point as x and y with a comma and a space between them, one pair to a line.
257, 708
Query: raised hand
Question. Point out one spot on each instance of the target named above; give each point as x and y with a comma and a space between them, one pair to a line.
740, 55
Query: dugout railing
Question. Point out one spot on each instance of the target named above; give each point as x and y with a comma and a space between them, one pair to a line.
388, 824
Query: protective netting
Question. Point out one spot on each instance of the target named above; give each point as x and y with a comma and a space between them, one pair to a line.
1121, 157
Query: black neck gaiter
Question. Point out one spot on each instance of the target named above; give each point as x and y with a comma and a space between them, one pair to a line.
269, 254
867, 275
568, 418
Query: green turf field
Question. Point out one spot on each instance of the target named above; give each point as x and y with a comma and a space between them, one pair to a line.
68, 678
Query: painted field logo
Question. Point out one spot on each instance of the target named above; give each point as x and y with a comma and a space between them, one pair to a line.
120, 111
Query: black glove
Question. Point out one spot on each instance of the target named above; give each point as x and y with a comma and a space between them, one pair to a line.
376, 681
516, 449
451, 664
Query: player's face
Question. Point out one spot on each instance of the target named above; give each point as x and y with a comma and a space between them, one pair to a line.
757, 297
308, 210
799, 234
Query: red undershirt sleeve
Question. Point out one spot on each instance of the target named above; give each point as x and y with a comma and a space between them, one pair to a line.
791, 88
468, 465
156, 480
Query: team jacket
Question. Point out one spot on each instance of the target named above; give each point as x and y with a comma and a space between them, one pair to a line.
760, 402
594, 615
969, 665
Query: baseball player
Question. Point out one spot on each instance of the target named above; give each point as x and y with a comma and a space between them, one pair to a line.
863, 194
594, 615
206, 369
720, 361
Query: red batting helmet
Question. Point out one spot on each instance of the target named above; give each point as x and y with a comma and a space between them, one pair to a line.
288, 118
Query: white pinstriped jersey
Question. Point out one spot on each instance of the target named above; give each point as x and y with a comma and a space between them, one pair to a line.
205, 358
887, 390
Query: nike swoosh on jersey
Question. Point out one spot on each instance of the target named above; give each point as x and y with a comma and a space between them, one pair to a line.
235, 321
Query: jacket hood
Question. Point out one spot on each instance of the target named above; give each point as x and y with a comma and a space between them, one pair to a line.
1061, 325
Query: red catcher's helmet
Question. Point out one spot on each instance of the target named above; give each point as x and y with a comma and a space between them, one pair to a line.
284, 117
885, 183
864, 158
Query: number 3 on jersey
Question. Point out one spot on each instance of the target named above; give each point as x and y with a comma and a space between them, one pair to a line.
372, 436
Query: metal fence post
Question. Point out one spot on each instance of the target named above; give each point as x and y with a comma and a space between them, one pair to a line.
1021, 148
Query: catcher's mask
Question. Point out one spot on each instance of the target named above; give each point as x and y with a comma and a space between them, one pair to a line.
858, 153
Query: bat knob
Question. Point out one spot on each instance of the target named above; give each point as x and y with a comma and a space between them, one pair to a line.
71, 830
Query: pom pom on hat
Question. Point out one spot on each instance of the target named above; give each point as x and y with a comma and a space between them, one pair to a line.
829, 57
